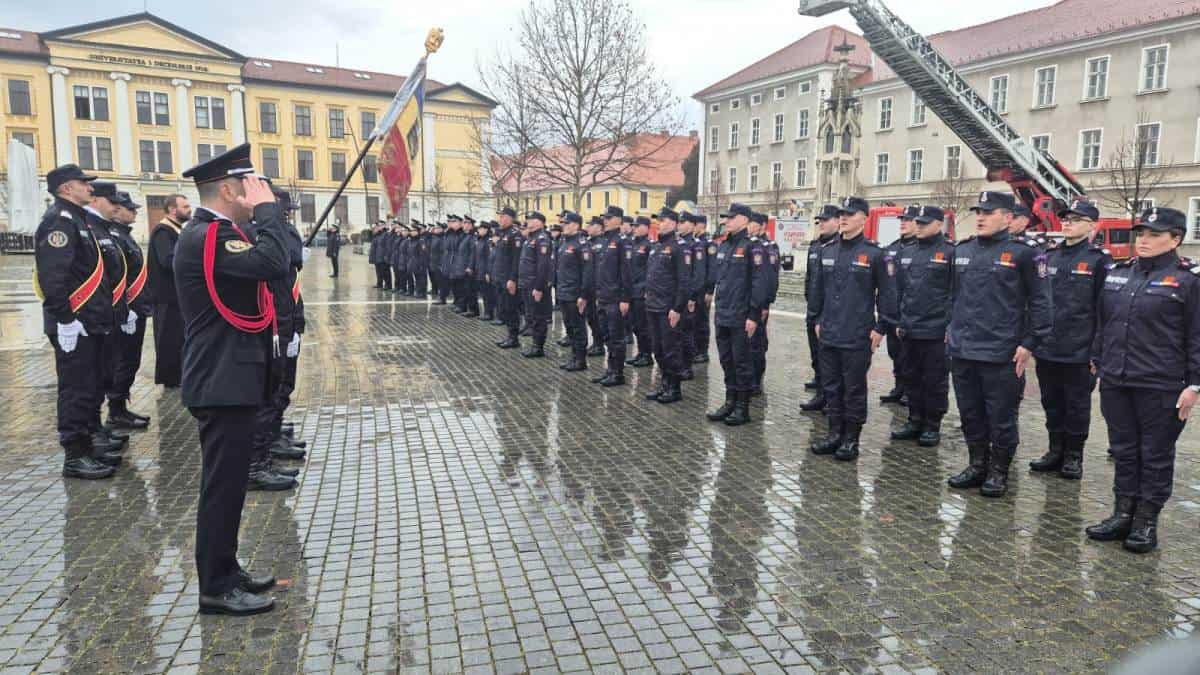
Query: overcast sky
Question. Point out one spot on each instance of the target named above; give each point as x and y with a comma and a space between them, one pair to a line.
694, 42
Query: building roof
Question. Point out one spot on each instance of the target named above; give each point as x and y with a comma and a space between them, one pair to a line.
26, 42
662, 165
315, 75
813, 49
67, 32
1063, 22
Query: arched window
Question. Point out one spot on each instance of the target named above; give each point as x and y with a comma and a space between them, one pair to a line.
829, 140
846, 140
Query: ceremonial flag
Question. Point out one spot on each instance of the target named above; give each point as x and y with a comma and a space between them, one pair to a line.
400, 130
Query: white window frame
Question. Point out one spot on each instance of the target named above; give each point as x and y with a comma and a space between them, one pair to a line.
946, 161
756, 99
1049, 139
776, 172
714, 138
1003, 110
1087, 74
886, 165
714, 108
891, 112
803, 118
780, 93
1037, 87
1142, 88
805, 87
735, 104
778, 129
1137, 130
801, 172
735, 131
755, 132
1099, 150
752, 178
1192, 234
731, 183
914, 105
908, 166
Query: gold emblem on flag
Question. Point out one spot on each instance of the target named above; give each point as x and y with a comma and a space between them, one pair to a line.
434, 41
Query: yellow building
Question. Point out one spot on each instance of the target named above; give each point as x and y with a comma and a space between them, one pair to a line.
138, 100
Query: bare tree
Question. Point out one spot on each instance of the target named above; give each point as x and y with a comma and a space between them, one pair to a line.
597, 107
775, 194
714, 192
953, 194
437, 189
1132, 173
505, 138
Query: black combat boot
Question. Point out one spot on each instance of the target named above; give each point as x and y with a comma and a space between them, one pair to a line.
602, 376
721, 413
910, 431
833, 439
976, 471
643, 360
79, 463
673, 392
894, 395
1072, 465
1117, 525
662, 389
1053, 459
848, 450
119, 416
814, 404
1143, 533
741, 410
597, 349
102, 442
509, 343
282, 471
931, 436
534, 352
812, 384
282, 449
578, 363
262, 479
615, 378
996, 483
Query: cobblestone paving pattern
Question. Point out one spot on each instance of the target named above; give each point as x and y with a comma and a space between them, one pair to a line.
466, 510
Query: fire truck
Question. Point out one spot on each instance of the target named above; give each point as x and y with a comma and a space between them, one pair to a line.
1035, 177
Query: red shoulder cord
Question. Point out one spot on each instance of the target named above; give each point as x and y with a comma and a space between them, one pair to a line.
266, 305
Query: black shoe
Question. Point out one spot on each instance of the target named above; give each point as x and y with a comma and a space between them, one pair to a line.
253, 584
892, 396
487, 317
721, 413
525, 332
497, 322
602, 376
672, 394
1143, 533
101, 442
662, 389
909, 432
534, 352
86, 468
286, 451
236, 602
1053, 459
471, 314
119, 416
1072, 465
563, 342
1116, 526
848, 450
700, 358
643, 360
107, 458
832, 441
287, 428
686, 375
976, 471
262, 479
811, 384
577, 364
815, 404
440, 302
613, 380
281, 470
115, 434
930, 438
456, 309
741, 411
996, 483
510, 343
596, 350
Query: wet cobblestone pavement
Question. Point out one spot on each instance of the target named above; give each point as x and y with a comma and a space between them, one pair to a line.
466, 510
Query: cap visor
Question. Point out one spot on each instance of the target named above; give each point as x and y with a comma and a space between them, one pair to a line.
922, 220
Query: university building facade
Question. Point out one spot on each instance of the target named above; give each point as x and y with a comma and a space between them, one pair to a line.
138, 100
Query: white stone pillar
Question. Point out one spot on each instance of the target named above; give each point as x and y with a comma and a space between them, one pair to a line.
183, 122
120, 103
62, 114
428, 151
238, 110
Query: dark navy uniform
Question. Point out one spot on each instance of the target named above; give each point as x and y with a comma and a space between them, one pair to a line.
536, 265
614, 285
168, 324
129, 346
924, 278
420, 263
595, 321
482, 271
437, 251
855, 294
668, 288
895, 353
462, 273
333, 247
760, 343
1001, 302
376, 258
704, 269
811, 271
640, 247
1147, 354
74, 287
399, 262
1076, 272
116, 268
505, 259
574, 268
449, 252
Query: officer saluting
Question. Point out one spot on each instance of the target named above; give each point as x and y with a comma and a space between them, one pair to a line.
75, 312
221, 277
1001, 312
1148, 359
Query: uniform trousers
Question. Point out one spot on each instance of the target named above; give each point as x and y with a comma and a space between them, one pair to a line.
702, 328
487, 293
399, 274
844, 381
614, 326
1066, 396
128, 360
108, 355
733, 349
1143, 425
78, 386
575, 325
537, 315
926, 379
333, 261
639, 323
596, 323
510, 307
266, 414
687, 336
383, 275
420, 279
224, 469
814, 349
444, 284
759, 344
988, 395
434, 281
168, 344
665, 341
896, 354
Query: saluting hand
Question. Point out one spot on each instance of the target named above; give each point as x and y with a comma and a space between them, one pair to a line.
1187, 399
256, 192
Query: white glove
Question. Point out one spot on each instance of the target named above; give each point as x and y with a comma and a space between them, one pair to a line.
68, 335
293, 347
130, 325
305, 253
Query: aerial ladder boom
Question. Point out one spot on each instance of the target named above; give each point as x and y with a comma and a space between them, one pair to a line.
1037, 179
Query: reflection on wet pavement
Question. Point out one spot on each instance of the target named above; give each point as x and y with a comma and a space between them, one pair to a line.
463, 509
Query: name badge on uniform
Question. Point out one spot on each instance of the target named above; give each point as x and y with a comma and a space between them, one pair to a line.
962, 261
907, 261
828, 262
1116, 281
862, 261
1081, 268
1006, 260
940, 258
1170, 282
720, 256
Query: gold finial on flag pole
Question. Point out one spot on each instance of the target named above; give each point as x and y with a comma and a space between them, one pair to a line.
434, 40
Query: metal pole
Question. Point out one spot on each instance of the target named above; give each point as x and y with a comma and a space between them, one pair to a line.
341, 188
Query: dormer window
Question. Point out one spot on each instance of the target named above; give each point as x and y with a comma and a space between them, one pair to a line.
263, 64
314, 69
362, 76
9, 35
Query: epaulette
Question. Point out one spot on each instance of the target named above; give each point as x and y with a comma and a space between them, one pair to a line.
1028, 242
66, 214
1190, 265
827, 243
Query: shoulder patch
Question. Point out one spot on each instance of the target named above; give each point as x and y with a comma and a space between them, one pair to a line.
1029, 242
237, 246
57, 238
66, 214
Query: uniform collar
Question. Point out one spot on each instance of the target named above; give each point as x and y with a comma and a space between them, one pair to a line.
1002, 235
1158, 261
930, 241
669, 236
824, 238
216, 213
855, 239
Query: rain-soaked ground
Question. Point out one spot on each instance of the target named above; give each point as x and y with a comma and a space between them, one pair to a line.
464, 509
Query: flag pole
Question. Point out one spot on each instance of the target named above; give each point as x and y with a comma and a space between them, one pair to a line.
432, 43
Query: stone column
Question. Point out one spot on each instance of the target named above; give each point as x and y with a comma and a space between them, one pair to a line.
124, 139
183, 121
62, 114
429, 151
237, 111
